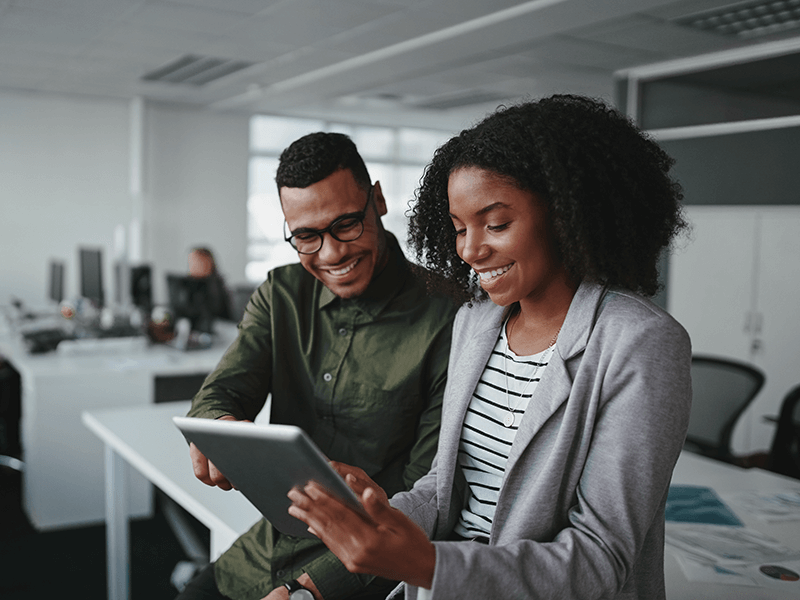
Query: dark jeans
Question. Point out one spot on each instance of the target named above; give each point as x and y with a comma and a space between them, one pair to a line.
203, 586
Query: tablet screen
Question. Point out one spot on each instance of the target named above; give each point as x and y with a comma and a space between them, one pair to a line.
264, 462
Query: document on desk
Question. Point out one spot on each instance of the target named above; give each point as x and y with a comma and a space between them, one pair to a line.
712, 545
698, 504
774, 506
725, 545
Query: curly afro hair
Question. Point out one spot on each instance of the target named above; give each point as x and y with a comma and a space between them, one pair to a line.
315, 156
612, 205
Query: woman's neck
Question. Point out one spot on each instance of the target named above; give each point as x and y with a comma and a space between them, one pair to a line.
535, 323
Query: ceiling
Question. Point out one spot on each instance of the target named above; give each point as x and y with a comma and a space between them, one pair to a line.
422, 62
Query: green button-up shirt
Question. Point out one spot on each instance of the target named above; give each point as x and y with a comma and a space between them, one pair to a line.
364, 377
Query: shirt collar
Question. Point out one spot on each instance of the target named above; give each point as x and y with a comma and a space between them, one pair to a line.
382, 288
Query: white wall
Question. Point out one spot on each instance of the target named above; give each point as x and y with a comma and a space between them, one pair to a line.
195, 185
64, 183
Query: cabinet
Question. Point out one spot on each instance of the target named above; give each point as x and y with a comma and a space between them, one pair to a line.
735, 286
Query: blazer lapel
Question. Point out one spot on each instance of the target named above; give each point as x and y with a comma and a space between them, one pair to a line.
462, 378
556, 383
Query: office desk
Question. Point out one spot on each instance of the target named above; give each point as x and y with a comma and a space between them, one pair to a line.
723, 478
62, 484
145, 438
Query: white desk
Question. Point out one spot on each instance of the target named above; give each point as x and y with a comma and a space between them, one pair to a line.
145, 438
63, 479
724, 478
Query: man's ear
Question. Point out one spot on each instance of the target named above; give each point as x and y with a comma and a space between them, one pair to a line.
377, 197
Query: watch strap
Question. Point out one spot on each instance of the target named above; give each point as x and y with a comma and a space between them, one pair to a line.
293, 586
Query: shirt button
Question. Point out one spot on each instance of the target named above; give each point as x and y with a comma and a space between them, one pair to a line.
343, 331
281, 573
327, 377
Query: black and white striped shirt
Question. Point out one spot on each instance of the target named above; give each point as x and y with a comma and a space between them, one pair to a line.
485, 439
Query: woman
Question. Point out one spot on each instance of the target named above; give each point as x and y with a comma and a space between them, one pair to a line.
568, 391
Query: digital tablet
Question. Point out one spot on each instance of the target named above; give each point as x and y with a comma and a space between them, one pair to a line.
264, 462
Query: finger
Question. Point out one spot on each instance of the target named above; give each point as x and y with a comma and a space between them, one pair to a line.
383, 514
199, 465
218, 478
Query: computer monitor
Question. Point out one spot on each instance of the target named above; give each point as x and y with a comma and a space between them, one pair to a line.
56, 288
189, 298
142, 287
91, 261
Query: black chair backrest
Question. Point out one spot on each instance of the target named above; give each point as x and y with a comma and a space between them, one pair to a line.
721, 390
784, 456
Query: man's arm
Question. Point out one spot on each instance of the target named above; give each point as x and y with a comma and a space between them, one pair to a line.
242, 380
427, 435
230, 394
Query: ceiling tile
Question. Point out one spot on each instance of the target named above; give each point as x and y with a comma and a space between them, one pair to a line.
184, 17
655, 35
567, 50
248, 7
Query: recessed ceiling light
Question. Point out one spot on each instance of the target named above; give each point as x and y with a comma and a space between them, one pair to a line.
746, 19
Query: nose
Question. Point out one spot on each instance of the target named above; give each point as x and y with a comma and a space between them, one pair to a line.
471, 247
332, 250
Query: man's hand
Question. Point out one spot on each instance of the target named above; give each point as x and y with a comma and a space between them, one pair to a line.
204, 469
384, 542
281, 593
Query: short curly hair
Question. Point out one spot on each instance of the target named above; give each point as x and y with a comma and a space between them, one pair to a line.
612, 205
315, 156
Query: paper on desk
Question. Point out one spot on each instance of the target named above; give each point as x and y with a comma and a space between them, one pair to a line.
746, 575
698, 504
696, 570
727, 546
779, 505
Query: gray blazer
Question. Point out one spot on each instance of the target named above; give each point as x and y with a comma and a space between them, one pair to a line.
581, 509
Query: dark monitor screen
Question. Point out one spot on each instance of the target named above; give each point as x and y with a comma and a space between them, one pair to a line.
56, 290
142, 286
92, 275
189, 298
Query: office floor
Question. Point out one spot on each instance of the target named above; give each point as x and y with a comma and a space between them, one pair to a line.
35, 566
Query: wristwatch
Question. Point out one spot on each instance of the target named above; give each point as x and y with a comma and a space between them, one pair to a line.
297, 591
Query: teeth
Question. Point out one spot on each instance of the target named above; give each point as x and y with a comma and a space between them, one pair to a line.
493, 273
344, 270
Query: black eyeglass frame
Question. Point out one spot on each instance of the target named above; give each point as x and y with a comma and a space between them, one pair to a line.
320, 233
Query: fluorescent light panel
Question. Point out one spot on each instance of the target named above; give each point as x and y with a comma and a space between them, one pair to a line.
746, 19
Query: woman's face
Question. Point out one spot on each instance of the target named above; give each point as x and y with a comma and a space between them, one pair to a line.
503, 233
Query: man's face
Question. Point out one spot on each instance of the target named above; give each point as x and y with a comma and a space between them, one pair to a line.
345, 268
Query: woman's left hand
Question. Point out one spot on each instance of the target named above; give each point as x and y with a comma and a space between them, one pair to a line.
382, 542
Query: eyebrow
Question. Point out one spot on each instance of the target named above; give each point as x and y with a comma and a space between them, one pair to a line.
349, 215
486, 209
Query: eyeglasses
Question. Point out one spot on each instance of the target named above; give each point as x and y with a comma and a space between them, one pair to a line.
347, 228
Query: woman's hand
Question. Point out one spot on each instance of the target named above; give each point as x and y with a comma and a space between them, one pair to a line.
382, 542
358, 480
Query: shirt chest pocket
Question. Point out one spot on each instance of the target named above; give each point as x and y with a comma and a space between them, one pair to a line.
369, 413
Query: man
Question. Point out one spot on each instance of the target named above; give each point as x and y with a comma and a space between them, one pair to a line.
351, 348
202, 265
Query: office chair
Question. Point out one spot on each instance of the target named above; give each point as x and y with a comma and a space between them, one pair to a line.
10, 409
240, 296
721, 391
784, 455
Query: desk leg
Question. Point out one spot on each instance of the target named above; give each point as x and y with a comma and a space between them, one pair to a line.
117, 546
